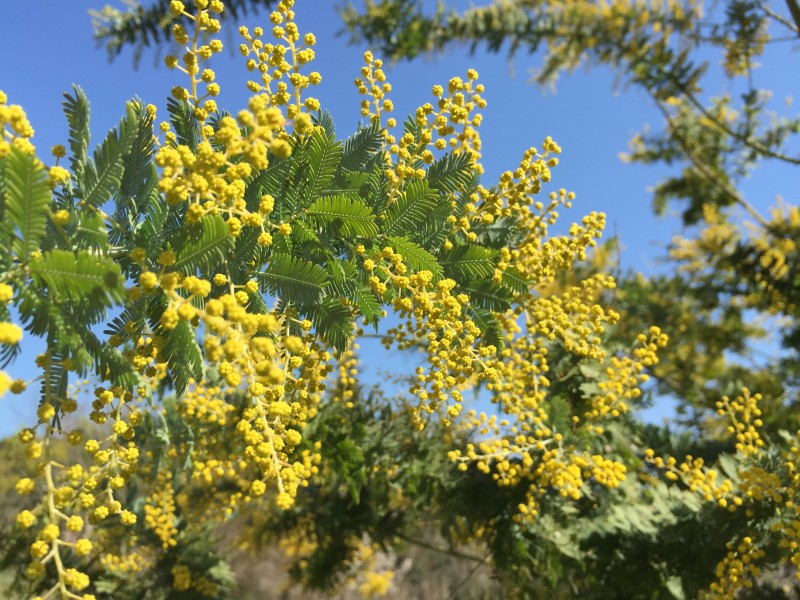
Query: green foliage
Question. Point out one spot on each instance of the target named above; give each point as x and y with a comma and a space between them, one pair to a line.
410, 209
72, 277
468, 261
142, 26
380, 477
351, 216
183, 355
205, 248
25, 199
294, 279
76, 108
416, 257
101, 177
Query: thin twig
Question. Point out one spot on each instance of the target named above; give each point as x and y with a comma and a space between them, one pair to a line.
448, 551
703, 168
794, 8
782, 20
472, 571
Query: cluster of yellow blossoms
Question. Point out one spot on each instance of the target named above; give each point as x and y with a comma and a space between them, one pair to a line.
737, 570
70, 491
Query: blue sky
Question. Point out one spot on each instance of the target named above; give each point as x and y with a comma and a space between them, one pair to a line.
48, 46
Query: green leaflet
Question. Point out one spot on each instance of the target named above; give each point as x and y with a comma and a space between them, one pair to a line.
90, 231
138, 166
27, 198
324, 155
501, 232
468, 262
344, 277
352, 216
294, 279
488, 295
346, 281
558, 414
208, 250
102, 176
451, 173
184, 357
515, 281
368, 304
324, 120
416, 257
109, 362
333, 321
181, 115
272, 181
360, 146
78, 276
76, 109
488, 324
411, 208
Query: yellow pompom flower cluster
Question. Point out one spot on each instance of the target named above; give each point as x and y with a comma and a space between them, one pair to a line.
15, 129
450, 124
738, 570
159, 511
433, 312
10, 333
625, 376
745, 420
73, 490
279, 64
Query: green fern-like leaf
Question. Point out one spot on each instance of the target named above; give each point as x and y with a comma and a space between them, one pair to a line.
137, 163
434, 230
324, 120
416, 257
360, 147
103, 175
369, 307
501, 232
377, 186
353, 216
488, 295
303, 234
159, 224
487, 322
344, 277
273, 181
468, 262
515, 281
208, 250
183, 354
333, 321
451, 173
76, 109
181, 115
294, 279
77, 276
27, 198
412, 207
6, 229
90, 232
324, 155
109, 363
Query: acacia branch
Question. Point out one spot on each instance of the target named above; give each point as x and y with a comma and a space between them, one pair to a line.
794, 8
709, 174
448, 551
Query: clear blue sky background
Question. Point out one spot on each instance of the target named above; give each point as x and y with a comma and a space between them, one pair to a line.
48, 46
